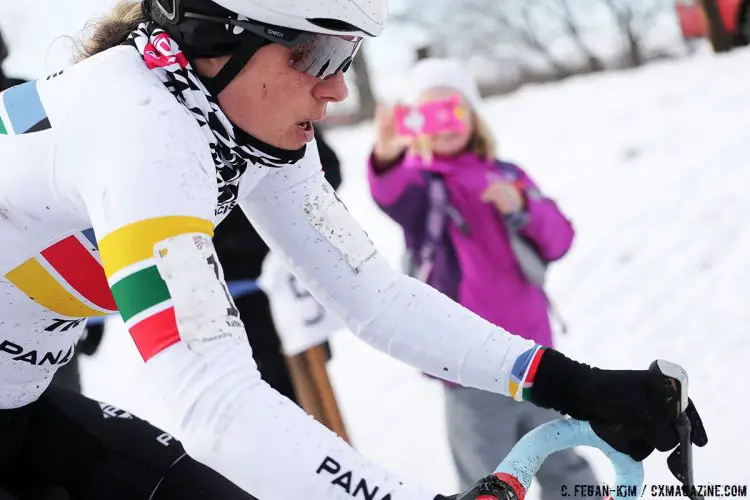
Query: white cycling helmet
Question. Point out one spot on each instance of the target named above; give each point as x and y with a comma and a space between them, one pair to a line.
363, 17
323, 35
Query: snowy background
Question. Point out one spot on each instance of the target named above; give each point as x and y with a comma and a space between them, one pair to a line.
652, 167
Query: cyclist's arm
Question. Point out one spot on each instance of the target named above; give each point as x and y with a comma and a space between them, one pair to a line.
149, 188
302, 220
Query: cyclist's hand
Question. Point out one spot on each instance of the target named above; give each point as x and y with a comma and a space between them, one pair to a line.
657, 427
634, 411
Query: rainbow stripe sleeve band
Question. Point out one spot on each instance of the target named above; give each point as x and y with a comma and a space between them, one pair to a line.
141, 295
523, 372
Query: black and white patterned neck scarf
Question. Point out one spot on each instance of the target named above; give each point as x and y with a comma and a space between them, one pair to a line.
165, 59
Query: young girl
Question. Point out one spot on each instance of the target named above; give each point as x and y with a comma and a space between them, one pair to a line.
463, 212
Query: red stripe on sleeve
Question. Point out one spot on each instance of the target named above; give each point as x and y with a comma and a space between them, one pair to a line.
155, 333
81, 270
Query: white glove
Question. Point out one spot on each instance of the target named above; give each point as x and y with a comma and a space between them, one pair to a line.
300, 320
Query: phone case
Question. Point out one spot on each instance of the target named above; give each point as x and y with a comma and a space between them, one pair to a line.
430, 118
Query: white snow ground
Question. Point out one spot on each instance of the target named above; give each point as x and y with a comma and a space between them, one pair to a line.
652, 167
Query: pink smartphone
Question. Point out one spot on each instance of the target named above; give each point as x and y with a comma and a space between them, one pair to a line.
430, 118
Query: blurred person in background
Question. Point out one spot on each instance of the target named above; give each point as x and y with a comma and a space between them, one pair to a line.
480, 231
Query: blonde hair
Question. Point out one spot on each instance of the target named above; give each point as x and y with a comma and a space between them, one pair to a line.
482, 143
112, 29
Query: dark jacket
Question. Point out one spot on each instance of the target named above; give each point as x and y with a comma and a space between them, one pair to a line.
5, 82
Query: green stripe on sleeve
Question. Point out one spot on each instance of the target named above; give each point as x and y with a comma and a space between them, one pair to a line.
139, 291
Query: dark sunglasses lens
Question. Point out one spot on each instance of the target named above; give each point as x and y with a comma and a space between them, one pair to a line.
324, 55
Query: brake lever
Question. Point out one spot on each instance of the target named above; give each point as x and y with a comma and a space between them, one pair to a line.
683, 470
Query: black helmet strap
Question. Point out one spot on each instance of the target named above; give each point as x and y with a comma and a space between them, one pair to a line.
239, 58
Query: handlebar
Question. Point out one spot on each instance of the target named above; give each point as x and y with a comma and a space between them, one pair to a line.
524, 460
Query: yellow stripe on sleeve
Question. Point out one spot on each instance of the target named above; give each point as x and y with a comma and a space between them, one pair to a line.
135, 242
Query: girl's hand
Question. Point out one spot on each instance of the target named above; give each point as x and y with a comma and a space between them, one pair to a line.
506, 197
389, 144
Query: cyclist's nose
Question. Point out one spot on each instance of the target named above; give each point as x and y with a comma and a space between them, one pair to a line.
331, 89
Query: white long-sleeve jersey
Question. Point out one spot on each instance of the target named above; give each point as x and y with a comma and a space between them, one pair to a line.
108, 197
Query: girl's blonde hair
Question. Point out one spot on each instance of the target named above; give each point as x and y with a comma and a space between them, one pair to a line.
112, 29
482, 143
